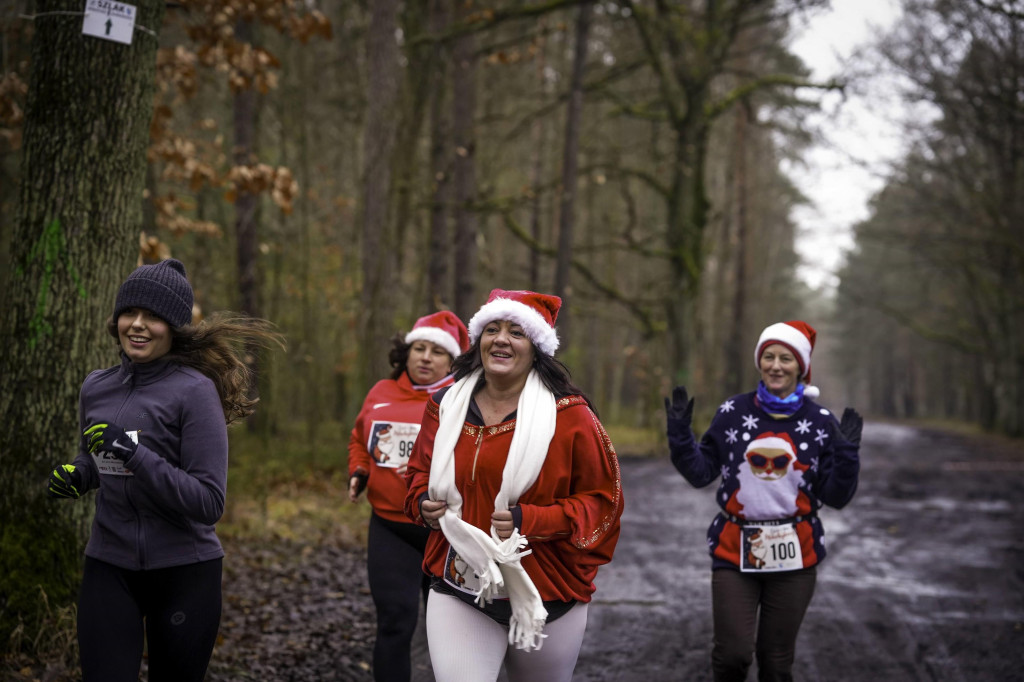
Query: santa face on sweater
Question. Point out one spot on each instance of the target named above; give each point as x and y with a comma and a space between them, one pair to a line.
770, 477
768, 464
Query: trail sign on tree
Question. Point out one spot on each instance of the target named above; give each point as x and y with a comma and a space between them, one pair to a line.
109, 20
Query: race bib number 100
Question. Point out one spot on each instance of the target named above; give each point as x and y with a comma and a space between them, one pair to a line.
771, 548
110, 465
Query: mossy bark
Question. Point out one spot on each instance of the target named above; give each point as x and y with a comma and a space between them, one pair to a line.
83, 166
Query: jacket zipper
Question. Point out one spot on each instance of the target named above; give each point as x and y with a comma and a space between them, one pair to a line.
476, 454
139, 531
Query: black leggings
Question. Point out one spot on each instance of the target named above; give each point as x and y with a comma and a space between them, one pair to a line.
179, 608
394, 563
758, 613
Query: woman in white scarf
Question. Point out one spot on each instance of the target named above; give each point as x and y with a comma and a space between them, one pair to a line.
516, 474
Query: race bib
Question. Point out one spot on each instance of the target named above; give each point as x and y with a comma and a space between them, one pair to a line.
770, 548
390, 443
459, 575
110, 465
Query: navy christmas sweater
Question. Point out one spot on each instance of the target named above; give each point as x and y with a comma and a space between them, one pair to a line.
772, 468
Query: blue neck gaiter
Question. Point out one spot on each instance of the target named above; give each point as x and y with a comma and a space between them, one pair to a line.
776, 405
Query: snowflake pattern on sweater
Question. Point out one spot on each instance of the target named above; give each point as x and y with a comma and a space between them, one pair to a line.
770, 468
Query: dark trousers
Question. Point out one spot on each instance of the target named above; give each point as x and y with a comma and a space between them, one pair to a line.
394, 563
176, 610
758, 613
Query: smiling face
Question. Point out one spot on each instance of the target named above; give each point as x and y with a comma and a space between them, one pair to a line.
428, 362
780, 370
144, 337
505, 352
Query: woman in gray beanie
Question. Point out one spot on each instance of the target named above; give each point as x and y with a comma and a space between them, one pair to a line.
155, 444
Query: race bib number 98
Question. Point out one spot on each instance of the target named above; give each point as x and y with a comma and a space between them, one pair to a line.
391, 443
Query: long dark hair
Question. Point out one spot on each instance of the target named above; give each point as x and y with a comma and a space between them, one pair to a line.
553, 373
220, 347
398, 356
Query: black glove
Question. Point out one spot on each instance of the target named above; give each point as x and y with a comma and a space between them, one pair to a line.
680, 410
64, 482
851, 425
110, 438
357, 484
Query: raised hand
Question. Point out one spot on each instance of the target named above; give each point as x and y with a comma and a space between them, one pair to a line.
679, 411
850, 425
106, 437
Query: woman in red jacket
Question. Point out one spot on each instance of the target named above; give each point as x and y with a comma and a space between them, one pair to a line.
378, 451
519, 483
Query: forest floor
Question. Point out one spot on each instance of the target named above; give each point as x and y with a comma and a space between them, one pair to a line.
924, 579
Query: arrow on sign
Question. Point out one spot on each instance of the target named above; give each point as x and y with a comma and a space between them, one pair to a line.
109, 24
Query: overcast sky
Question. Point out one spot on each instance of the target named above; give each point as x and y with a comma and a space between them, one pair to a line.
840, 177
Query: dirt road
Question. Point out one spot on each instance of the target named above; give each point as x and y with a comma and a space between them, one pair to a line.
924, 581
924, 578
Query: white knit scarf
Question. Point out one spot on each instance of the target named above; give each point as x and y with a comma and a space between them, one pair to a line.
497, 562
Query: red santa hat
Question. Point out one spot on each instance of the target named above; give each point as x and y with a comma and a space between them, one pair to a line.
798, 337
773, 441
443, 328
535, 313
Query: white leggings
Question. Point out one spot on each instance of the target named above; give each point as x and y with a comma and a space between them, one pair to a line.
468, 646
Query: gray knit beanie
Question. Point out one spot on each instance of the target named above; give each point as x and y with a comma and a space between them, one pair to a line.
161, 289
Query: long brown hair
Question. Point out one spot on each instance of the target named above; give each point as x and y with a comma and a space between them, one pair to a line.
221, 348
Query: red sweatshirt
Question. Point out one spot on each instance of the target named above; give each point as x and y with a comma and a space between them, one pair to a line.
570, 514
382, 440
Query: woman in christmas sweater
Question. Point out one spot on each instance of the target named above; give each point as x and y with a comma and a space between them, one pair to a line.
519, 483
780, 457
155, 445
378, 451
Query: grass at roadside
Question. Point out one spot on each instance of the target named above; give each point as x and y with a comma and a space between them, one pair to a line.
632, 441
293, 487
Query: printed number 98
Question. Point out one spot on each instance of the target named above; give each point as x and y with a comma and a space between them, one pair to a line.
405, 449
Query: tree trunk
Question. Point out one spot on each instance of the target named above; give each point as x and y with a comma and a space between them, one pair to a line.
245, 108
414, 106
464, 141
737, 352
538, 137
378, 145
570, 165
311, 369
82, 178
687, 219
438, 287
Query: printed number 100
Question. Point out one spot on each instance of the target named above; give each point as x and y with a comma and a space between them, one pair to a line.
784, 552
